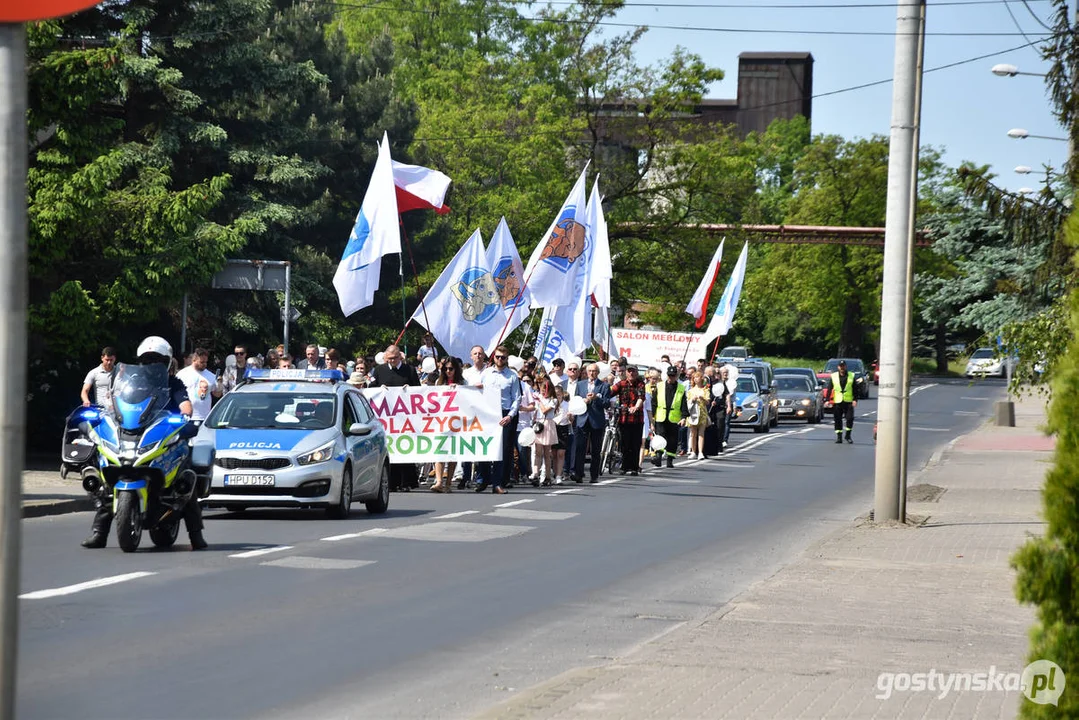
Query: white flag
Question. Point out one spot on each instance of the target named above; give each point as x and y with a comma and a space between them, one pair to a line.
724, 317
508, 272
550, 343
600, 270
698, 305
553, 268
462, 306
602, 335
375, 234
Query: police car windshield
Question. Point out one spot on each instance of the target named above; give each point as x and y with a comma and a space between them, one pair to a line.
747, 384
273, 411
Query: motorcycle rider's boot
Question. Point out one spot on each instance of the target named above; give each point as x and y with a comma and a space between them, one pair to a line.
96, 541
197, 541
99, 530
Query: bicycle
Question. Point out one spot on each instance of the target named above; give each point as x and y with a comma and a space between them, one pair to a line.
611, 452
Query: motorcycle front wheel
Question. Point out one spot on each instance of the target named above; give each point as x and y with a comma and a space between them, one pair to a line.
128, 521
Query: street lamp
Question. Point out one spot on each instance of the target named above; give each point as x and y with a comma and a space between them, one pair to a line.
1021, 134
1005, 70
1025, 191
1023, 169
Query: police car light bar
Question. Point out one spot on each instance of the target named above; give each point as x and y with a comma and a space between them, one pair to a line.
295, 374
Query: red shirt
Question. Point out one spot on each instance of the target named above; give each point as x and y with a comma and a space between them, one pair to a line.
629, 393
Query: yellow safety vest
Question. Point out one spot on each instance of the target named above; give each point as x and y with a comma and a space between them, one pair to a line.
847, 392
661, 403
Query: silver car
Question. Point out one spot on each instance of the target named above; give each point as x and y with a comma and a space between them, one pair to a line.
295, 438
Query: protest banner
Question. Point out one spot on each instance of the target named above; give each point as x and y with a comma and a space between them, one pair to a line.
439, 423
646, 347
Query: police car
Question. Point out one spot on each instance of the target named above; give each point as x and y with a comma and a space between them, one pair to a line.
296, 438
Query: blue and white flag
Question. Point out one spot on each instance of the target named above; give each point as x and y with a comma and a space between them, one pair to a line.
550, 343
553, 268
600, 270
463, 306
374, 235
508, 272
724, 318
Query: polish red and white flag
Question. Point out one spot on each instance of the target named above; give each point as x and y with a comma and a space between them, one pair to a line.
420, 188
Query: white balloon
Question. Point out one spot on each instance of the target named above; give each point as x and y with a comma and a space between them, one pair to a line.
604, 370
659, 443
577, 406
515, 362
527, 437
379, 357
429, 365
717, 389
230, 361
732, 377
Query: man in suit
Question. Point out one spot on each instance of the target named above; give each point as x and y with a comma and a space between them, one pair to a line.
394, 372
590, 426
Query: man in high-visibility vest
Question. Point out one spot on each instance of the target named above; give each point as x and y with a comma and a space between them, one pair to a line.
669, 401
843, 402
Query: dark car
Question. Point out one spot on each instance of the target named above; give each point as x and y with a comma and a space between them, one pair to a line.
799, 398
856, 368
766, 382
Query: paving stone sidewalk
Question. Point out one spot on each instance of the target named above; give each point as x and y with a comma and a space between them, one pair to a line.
45, 493
813, 640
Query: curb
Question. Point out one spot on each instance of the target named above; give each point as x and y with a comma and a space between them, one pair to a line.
44, 508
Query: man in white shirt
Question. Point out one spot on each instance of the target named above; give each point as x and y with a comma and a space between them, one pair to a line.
472, 375
201, 384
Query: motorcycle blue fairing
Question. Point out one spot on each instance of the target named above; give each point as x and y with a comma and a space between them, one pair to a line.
131, 413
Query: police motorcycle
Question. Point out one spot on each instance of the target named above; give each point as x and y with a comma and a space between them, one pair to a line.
143, 451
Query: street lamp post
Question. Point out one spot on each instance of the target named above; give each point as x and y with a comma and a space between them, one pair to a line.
1006, 70
1021, 134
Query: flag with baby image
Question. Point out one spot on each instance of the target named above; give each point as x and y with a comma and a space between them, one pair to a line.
462, 308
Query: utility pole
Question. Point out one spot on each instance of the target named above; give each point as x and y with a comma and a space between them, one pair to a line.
894, 338
14, 150
909, 309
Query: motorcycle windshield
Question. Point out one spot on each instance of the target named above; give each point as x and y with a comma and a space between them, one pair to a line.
139, 392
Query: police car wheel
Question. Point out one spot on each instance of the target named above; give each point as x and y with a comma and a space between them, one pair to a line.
381, 503
341, 510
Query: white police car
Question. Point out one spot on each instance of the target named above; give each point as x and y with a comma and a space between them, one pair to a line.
296, 438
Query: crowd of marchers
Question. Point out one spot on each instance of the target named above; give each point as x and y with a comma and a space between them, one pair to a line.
553, 418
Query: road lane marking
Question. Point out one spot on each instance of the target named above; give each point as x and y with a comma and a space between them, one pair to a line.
918, 389
608, 482
515, 502
349, 536
928, 429
965, 412
451, 516
300, 562
261, 551
457, 532
751, 444
89, 585
517, 514
567, 491
972, 397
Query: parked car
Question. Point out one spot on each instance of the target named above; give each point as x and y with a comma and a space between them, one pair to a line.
751, 408
766, 383
296, 438
856, 368
799, 398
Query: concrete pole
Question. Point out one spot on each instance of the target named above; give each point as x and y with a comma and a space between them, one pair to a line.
909, 308
183, 329
288, 300
897, 237
14, 149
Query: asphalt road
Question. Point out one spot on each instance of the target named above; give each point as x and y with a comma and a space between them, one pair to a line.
446, 604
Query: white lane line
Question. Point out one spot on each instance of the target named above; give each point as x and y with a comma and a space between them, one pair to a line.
517, 514
867, 414
972, 397
349, 536
451, 516
965, 412
300, 562
261, 551
928, 429
918, 389
610, 482
90, 585
746, 447
515, 502
567, 491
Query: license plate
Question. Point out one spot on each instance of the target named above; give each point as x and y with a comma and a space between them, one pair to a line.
249, 480
785, 411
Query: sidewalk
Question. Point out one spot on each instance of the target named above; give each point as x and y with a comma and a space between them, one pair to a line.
45, 493
813, 640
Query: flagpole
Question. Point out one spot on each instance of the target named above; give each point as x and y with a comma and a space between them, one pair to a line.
404, 314
528, 331
715, 349
415, 275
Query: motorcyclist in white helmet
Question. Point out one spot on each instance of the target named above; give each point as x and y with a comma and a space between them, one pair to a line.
152, 350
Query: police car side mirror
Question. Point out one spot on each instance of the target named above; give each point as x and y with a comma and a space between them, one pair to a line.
359, 429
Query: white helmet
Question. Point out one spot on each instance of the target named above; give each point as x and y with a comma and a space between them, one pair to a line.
156, 345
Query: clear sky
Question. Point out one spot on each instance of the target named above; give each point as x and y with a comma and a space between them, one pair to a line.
966, 110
